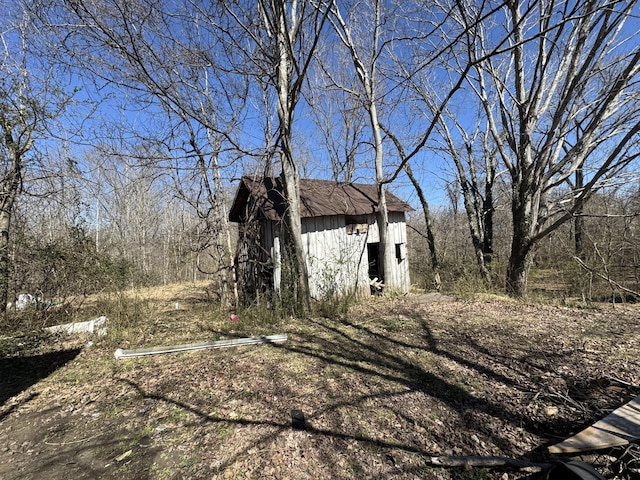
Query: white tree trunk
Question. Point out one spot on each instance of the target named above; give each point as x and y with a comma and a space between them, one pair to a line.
293, 248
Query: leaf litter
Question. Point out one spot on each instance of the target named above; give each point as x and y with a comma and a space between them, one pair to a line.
383, 389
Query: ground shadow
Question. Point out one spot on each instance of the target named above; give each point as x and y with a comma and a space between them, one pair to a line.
377, 350
94, 458
280, 425
378, 360
530, 367
387, 358
20, 372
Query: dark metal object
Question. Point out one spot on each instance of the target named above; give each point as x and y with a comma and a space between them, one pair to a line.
297, 420
573, 470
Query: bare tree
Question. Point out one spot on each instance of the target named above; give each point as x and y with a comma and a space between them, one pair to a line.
281, 38
567, 99
136, 216
435, 69
28, 99
196, 60
365, 52
381, 52
132, 203
338, 113
169, 59
475, 163
578, 223
284, 22
428, 223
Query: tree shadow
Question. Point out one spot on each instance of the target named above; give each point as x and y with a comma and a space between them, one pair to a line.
18, 373
280, 426
385, 368
386, 352
58, 443
388, 365
95, 458
526, 368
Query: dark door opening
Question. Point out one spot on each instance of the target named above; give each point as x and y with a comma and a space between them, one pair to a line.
373, 254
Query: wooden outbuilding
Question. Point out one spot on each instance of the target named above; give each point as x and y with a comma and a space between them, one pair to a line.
339, 232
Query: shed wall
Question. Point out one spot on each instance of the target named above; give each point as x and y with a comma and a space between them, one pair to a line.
398, 238
338, 262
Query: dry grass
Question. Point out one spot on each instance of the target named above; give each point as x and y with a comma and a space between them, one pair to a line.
383, 389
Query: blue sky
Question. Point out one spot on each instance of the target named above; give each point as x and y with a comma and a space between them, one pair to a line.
118, 108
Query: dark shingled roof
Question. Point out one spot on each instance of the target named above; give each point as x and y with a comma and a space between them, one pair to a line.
318, 198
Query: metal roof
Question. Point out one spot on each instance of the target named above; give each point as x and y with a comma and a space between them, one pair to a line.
318, 198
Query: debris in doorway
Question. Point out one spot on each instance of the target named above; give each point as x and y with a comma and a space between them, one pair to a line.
376, 285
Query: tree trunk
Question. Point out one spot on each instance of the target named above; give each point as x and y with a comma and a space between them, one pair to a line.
383, 229
579, 220
287, 99
9, 190
367, 77
431, 241
521, 245
293, 247
5, 223
487, 211
386, 252
516, 284
476, 227
483, 243
478, 249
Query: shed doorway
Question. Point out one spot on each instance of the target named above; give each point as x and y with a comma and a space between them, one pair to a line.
373, 254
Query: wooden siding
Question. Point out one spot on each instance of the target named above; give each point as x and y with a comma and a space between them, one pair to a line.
334, 259
398, 236
337, 261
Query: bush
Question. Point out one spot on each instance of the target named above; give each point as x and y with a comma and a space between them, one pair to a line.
68, 267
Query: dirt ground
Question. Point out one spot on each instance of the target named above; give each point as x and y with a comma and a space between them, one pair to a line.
383, 389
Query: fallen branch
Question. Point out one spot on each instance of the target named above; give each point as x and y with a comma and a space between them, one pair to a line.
567, 398
119, 353
620, 382
478, 461
606, 277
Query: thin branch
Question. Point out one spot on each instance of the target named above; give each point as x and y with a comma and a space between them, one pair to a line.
605, 277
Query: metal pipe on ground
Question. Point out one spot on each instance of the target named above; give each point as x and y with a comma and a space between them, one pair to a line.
120, 353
